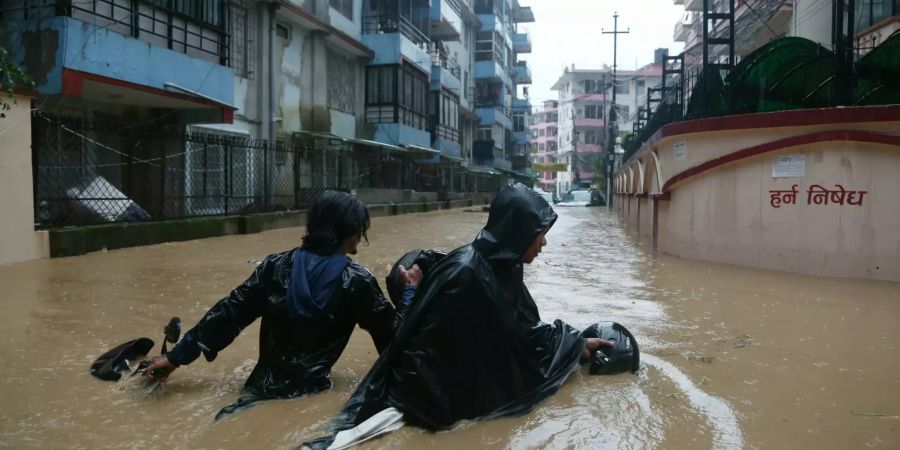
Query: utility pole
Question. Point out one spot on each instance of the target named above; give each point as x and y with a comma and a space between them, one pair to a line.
611, 124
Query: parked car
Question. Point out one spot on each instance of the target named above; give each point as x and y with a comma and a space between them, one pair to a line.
582, 197
549, 196
576, 198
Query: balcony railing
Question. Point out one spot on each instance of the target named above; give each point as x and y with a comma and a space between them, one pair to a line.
445, 132
393, 23
194, 28
437, 59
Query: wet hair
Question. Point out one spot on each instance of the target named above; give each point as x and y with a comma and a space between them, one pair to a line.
333, 217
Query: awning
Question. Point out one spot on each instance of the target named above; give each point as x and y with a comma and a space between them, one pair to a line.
412, 148
453, 159
481, 169
321, 135
369, 143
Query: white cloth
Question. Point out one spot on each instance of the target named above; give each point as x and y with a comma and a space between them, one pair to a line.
382, 423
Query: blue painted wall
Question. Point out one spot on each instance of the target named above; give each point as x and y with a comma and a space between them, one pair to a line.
87, 48
447, 147
398, 133
389, 47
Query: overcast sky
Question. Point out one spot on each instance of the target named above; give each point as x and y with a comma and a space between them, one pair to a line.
569, 31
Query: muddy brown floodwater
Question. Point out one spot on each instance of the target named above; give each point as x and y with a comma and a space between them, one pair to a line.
733, 357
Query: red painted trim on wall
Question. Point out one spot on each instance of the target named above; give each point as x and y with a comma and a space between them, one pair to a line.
73, 85
793, 118
793, 141
72, 82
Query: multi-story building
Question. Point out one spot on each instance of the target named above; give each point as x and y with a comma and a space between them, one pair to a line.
500, 143
271, 100
544, 130
585, 97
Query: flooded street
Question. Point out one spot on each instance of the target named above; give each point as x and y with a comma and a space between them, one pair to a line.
732, 357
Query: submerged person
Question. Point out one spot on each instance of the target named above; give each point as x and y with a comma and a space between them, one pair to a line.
473, 345
309, 298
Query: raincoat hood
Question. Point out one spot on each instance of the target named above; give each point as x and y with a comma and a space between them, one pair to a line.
517, 217
313, 282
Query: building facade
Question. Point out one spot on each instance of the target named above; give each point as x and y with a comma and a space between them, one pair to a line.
544, 130
274, 101
585, 100
502, 140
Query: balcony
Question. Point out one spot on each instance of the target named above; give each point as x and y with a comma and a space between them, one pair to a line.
521, 104
521, 43
445, 73
395, 23
522, 73
492, 70
394, 38
523, 14
683, 27
493, 114
104, 64
446, 24
693, 5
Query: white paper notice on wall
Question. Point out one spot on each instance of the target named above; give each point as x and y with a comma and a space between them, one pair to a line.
679, 151
789, 166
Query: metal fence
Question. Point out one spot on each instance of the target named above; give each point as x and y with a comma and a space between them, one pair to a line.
99, 170
97, 174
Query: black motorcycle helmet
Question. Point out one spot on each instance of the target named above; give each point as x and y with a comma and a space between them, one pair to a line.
622, 357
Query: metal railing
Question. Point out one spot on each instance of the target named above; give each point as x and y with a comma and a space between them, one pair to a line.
196, 28
85, 173
394, 23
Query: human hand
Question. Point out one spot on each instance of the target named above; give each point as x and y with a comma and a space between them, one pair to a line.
413, 276
159, 369
591, 345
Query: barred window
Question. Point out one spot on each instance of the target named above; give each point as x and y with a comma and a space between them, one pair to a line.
242, 43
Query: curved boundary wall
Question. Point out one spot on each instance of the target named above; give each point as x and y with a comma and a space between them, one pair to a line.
808, 191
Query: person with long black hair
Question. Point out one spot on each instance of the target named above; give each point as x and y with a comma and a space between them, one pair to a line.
309, 298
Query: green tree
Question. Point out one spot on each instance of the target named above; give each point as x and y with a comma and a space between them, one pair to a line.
11, 77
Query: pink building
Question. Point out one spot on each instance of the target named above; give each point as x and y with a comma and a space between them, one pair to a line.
544, 131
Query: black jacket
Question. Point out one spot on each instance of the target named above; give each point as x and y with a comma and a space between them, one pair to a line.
473, 345
295, 353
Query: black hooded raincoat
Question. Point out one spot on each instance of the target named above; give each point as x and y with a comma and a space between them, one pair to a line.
296, 349
473, 345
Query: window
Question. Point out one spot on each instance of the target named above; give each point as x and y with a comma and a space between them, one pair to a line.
241, 57
593, 86
519, 121
345, 7
283, 31
592, 111
484, 134
623, 113
622, 87
541, 132
397, 94
447, 115
341, 82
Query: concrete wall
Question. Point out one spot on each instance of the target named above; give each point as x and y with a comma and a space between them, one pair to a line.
63, 42
18, 240
719, 186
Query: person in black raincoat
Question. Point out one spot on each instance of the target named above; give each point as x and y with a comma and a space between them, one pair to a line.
473, 345
309, 298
